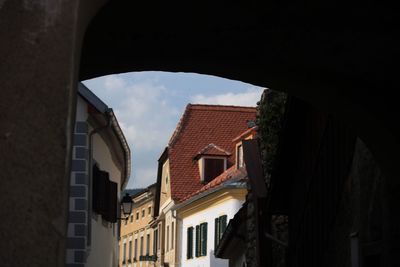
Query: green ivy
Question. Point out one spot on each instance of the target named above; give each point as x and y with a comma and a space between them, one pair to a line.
270, 111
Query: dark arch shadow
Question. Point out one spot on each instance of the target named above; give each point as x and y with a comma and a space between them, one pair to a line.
304, 51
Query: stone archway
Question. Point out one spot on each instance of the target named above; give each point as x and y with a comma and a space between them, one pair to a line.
336, 56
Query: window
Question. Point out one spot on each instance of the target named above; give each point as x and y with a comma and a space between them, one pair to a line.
189, 252
149, 210
143, 212
137, 215
148, 244
172, 235
141, 246
135, 250
168, 238
201, 240
105, 195
239, 153
124, 253
213, 168
126, 222
130, 250
155, 241
166, 179
220, 225
131, 218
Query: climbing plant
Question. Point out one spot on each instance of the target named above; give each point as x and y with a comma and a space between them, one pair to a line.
270, 111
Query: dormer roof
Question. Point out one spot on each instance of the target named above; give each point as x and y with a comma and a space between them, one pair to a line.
212, 150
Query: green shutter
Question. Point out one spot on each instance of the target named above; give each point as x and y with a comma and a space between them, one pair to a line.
190, 243
204, 239
216, 233
222, 225
197, 240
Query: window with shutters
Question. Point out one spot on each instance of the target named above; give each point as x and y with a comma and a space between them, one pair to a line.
189, 251
219, 226
201, 240
105, 195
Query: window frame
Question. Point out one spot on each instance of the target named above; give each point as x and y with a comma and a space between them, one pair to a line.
135, 249
239, 156
148, 244
141, 245
203, 166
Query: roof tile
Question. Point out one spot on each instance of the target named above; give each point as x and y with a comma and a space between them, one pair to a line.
200, 126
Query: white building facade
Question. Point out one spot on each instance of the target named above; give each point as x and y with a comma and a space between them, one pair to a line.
203, 221
99, 172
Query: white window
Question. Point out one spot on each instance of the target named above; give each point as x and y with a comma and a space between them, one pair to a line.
239, 153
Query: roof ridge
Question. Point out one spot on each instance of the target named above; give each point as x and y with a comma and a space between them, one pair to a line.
199, 106
190, 106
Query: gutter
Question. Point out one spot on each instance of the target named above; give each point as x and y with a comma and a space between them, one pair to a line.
124, 144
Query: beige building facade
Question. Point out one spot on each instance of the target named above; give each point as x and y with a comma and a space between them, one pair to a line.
137, 239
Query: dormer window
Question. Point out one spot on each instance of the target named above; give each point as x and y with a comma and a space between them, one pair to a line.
212, 168
212, 162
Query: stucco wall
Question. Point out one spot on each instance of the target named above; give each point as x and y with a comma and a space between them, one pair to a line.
165, 194
104, 244
229, 208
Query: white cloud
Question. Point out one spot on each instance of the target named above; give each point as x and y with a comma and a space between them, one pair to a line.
147, 118
113, 82
247, 98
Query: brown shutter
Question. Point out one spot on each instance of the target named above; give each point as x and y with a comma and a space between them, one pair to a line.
212, 168
111, 199
100, 188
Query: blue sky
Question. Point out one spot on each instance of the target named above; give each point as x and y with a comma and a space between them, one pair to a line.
148, 105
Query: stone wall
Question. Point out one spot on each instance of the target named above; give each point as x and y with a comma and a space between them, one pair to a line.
78, 199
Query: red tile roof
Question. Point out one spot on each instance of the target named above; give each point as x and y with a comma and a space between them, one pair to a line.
200, 126
230, 173
246, 133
